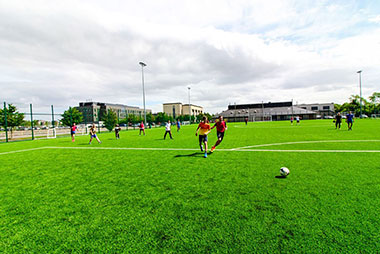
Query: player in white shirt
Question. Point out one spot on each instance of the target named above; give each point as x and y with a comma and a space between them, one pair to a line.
168, 130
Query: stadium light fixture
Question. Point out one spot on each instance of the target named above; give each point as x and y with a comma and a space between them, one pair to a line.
142, 73
360, 85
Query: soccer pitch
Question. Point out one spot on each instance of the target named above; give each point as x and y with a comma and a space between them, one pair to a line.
144, 194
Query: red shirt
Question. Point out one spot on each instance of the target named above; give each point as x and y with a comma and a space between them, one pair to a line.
141, 126
74, 128
221, 126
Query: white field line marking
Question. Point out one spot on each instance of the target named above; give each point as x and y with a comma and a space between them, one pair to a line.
305, 151
24, 150
282, 127
124, 148
306, 142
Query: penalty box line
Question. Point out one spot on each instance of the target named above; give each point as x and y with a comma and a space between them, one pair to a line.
308, 142
222, 150
190, 149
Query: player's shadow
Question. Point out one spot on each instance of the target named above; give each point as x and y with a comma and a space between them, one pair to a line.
189, 155
280, 177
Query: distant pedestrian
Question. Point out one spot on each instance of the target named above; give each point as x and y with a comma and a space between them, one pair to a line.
142, 128
93, 134
178, 125
168, 130
117, 130
74, 128
338, 121
350, 120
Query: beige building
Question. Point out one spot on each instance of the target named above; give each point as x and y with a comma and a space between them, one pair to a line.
94, 111
177, 109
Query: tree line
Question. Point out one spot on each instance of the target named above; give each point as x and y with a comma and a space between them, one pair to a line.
370, 106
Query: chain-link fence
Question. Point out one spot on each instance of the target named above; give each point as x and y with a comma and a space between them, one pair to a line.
19, 121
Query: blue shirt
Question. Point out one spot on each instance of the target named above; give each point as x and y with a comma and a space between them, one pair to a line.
349, 117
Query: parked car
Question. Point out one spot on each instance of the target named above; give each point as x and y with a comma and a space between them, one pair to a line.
328, 117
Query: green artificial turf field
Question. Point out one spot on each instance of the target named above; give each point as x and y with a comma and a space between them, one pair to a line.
59, 196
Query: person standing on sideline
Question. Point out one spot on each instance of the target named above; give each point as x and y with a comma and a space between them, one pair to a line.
178, 125
204, 129
246, 120
298, 120
74, 128
168, 130
350, 120
93, 134
117, 130
291, 120
338, 120
221, 127
142, 128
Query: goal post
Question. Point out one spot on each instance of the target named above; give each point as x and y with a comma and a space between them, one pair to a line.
51, 133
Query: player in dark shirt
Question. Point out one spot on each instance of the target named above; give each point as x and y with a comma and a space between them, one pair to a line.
350, 120
338, 120
117, 130
221, 127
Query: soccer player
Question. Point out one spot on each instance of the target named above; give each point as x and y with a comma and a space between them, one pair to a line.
178, 125
168, 130
204, 129
350, 120
221, 127
74, 128
246, 120
117, 130
93, 134
298, 120
142, 128
338, 120
291, 120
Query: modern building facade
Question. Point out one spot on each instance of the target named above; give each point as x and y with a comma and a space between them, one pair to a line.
322, 109
94, 111
178, 109
269, 111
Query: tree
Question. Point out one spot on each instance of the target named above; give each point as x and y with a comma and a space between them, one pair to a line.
375, 98
110, 120
70, 116
14, 118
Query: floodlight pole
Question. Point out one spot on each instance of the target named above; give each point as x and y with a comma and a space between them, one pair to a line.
188, 88
360, 84
142, 73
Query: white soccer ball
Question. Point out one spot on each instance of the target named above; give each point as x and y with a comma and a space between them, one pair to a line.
284, 171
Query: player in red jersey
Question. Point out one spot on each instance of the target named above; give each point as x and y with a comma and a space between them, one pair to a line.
221, 127
74, 128
142, 128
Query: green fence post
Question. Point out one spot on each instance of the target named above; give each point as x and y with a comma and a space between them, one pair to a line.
99, 121
5, 122
52, 116
31, 120
85, 119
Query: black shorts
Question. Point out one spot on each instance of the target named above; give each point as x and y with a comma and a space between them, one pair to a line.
220, 135
202, 138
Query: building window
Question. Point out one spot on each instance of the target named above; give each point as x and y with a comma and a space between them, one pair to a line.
314, 108
326, 107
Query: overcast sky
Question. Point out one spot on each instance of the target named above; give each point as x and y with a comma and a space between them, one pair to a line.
243, 51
